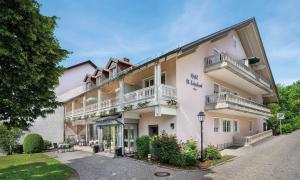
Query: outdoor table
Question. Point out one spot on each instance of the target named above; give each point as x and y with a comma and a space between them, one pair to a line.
64, 146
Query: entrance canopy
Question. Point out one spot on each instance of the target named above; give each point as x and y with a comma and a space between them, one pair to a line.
109, 120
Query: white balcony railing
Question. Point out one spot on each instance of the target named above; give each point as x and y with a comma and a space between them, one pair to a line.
168, 91
91, 107
78, 111
139, 94
223, 57
229, 97
69, 113
109, 103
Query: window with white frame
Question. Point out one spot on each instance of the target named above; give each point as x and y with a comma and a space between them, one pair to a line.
234, 41
250, 126
226, 126
236, 126
150, 81
114, 72
216, 124
216, 88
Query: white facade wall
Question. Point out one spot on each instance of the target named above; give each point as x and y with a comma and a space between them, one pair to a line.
52, 126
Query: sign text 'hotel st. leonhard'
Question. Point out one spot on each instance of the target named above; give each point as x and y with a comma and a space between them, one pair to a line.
193, 81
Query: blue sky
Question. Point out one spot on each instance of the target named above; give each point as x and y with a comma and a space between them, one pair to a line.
99, 29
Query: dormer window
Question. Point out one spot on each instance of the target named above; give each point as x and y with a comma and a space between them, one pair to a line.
114, 72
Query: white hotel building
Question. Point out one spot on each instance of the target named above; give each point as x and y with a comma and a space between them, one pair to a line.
225, 74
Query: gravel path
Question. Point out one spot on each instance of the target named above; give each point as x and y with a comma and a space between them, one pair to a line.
276, 158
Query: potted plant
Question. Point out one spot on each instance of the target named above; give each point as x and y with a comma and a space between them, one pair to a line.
143, 104
128, 107
172, 102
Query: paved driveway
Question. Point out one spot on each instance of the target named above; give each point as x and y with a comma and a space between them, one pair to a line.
276, 158
92, 167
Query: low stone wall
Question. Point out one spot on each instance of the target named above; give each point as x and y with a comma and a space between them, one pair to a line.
248, 140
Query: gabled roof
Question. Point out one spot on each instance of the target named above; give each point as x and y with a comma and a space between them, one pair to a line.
212, 36
198, 42
116, 60
82, 63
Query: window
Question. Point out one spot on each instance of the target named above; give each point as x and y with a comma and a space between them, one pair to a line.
150, 81
236, 128
226, 126
114, 72
153, 130
234, 41
216, 124
250, 126
215, 51
216, 89
163, 78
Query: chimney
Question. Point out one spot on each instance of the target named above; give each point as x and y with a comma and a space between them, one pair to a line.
126, 59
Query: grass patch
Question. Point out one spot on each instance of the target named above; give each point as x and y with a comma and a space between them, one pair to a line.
34, 166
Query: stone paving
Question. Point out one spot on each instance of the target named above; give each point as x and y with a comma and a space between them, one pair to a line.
92, 167
275, 158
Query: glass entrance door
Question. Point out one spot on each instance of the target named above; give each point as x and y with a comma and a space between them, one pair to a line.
109, 138
130, 133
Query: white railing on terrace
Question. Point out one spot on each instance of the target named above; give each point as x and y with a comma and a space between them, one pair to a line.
139, 94
223, 57
109, 103
168, 91
91, 107
78, 111
69, 113
229, 97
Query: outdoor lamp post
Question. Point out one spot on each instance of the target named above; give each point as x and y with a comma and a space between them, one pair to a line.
201, 118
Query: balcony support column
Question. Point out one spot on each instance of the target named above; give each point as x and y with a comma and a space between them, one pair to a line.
73, 107
84, 103
121, 93
157, 88
99, 98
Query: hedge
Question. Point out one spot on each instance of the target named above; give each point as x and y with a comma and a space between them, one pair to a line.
33, 143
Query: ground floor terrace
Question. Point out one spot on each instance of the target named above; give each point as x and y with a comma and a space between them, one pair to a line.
120, 130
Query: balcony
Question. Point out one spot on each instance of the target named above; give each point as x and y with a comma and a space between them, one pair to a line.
228, 103
138, 101
225, 68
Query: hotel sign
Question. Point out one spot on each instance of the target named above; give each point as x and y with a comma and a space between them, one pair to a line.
193, 81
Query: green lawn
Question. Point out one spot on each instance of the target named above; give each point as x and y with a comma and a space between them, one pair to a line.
33, 166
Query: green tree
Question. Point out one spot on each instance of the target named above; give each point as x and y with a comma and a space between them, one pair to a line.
9, 138
29, 63
272, 122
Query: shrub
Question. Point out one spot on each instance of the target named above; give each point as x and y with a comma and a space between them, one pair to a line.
143, 146
286, 128
212, 153
47, 144
9, 138
33, 143
190, 152
296, 123
166, 149
18, 149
